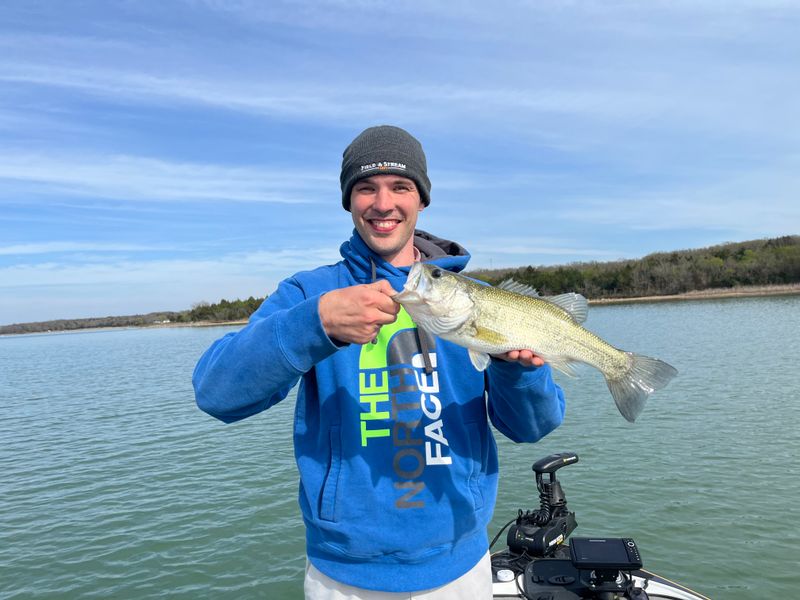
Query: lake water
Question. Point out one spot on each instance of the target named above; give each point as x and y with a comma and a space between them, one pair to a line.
113, 484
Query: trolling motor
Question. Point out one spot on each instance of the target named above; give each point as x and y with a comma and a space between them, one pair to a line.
540, 532
547, 567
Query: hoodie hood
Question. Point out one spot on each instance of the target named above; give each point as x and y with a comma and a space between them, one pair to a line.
360, 259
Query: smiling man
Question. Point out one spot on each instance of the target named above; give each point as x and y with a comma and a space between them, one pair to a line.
397, 460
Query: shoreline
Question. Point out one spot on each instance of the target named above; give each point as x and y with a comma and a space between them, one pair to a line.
708, 294
123, 327
752, 291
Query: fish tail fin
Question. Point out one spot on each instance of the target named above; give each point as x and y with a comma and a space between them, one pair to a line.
644, 376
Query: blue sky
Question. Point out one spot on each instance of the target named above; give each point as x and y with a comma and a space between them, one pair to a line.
158, 154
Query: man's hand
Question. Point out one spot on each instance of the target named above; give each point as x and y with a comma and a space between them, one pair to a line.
524, 357
355, 314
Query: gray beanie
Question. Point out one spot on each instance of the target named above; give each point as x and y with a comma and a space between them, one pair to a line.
384, 150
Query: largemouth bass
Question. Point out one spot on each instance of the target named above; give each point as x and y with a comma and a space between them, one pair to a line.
493, 320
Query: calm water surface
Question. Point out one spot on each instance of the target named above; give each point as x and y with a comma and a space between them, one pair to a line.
113, 484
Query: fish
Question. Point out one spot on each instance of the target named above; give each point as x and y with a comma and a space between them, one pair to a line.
492, 320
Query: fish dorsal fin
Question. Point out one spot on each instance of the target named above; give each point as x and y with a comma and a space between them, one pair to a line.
510, 285
575, 304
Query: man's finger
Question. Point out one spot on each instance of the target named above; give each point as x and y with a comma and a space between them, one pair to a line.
383, 286
383, 317
389, 306
527, 358
385, 302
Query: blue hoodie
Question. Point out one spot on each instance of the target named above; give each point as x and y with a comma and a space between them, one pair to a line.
398, 465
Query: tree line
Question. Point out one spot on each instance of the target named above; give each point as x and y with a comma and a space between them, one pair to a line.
773, 261
224, 310
203, 312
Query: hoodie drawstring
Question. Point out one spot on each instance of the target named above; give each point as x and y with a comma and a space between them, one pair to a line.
374, 279
422, 340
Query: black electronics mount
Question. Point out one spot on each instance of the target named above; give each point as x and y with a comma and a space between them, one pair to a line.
544, 566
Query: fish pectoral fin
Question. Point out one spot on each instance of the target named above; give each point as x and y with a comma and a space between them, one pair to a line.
510, 285
575, 304
566, 365
479, 360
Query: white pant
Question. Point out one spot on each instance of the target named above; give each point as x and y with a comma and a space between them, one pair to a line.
475, 584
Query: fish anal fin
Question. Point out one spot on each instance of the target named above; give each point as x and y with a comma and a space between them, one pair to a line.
566, 365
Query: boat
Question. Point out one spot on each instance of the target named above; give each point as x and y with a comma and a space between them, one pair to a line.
542, 562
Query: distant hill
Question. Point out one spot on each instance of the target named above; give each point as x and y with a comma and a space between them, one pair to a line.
755, 263
765, 262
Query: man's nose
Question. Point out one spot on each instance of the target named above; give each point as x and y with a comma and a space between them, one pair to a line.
384, 200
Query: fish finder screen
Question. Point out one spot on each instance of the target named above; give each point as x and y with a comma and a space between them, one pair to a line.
605, 553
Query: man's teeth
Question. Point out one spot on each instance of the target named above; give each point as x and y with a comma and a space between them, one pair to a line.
384, 224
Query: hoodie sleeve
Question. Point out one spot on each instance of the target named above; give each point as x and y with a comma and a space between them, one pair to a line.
248, 371
524, 404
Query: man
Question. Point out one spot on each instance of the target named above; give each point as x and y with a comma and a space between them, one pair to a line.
398, 465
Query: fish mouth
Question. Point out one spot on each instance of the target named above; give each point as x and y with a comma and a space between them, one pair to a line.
413, 288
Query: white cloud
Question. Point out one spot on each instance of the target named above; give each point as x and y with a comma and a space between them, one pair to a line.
61, 247
759, 202
503, 246
141, 178
341, 99
276, 98
279, 263
54, 290
656, 66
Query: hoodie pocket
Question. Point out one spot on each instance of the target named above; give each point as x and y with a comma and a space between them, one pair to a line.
327, 498
478, 453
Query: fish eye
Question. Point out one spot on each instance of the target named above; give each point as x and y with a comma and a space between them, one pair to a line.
436, 273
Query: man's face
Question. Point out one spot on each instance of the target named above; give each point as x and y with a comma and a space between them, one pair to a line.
385, 209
